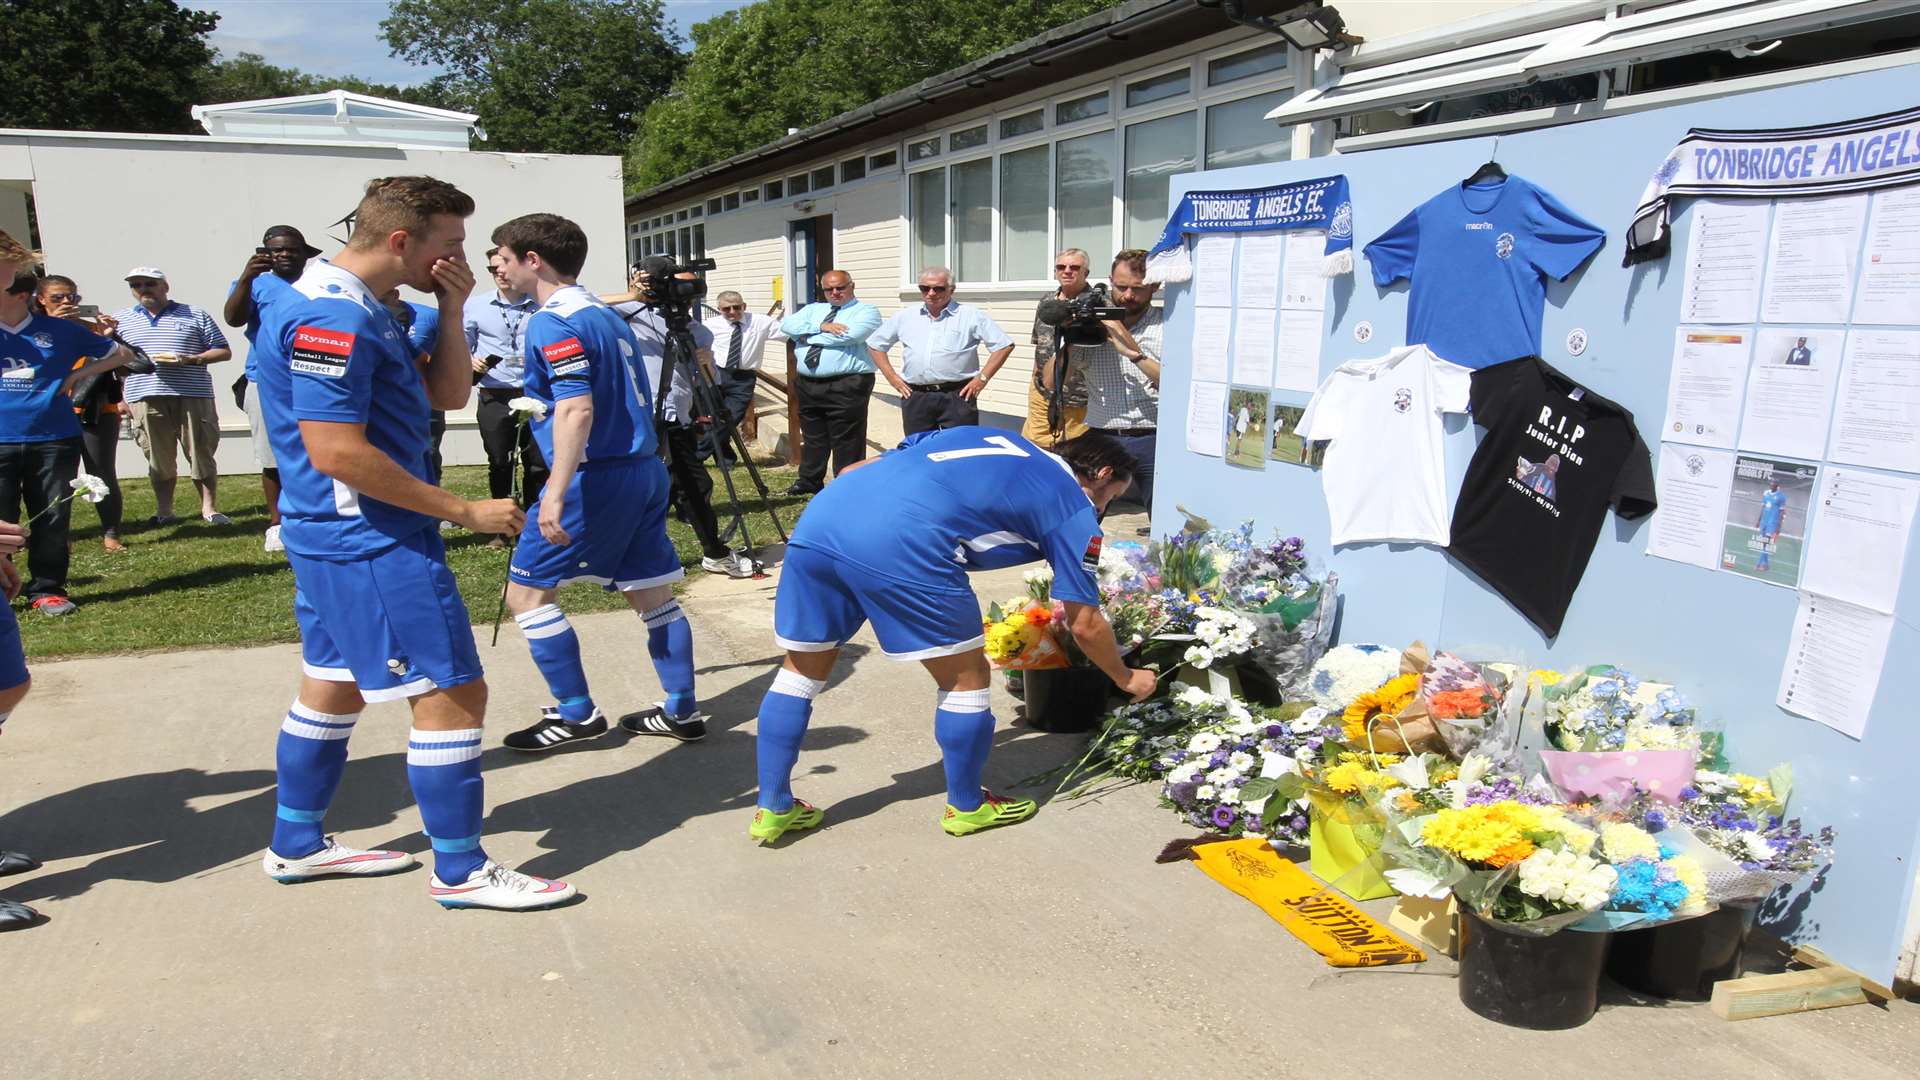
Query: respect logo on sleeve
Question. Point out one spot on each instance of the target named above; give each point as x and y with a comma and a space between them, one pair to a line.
318, 350
566, 358
1090, 560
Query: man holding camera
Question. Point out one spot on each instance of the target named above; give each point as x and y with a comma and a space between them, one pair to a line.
940, 378
495, 327
268, 275
1123, 373
740, 343
173, 406
1070, 270
835, 379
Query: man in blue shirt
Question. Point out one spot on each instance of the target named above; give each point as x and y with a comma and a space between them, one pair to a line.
940, 377
890, 543
1773, 511
603, 513
496, 331
270, 271
836, 379
421, 324
173, 404
380, 614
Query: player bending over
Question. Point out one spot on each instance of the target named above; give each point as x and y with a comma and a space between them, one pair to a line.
890, 544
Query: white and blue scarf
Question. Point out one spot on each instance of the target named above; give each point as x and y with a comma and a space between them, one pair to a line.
1308, 204
1823, 159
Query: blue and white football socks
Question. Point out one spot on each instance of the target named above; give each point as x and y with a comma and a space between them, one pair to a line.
670, 643
784, 713
309, 759
556, 652
963, 726
444, 769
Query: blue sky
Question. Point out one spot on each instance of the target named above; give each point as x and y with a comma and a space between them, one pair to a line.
342, 37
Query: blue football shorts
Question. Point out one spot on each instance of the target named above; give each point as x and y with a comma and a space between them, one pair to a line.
392, 624
616, 515
13, 655
824, 599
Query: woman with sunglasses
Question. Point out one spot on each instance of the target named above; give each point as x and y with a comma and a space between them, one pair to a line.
97, 402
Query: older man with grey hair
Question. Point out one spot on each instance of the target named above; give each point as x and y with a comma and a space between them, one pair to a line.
740, 339
940, 377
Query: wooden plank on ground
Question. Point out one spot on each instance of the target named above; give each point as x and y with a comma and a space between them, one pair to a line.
1812, 957
1787, 992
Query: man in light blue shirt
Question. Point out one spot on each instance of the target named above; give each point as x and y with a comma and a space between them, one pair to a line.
940, 377
836, 379
496, 336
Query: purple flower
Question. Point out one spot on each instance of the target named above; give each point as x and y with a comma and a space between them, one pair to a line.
1300, 822
1274, 731
1222, 817
1656, 821
1219, 758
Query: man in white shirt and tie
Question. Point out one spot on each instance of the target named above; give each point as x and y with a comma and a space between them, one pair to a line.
740, 339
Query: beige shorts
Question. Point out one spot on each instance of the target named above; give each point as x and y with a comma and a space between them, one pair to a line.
162, 423
1035, 429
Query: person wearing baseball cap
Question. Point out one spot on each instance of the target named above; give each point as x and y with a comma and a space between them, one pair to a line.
268, 275
173, 406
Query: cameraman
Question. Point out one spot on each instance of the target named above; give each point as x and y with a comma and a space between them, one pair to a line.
495, 327
1123, 373
679, 427
1070, 270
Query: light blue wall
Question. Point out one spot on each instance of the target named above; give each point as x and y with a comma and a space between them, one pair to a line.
1722, 637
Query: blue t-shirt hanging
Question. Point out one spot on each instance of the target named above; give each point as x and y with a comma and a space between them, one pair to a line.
1479, 258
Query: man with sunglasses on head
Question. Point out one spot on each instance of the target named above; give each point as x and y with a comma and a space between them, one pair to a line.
940, 377
268, 274
740, 339
836, 379
1070, 270
496, 336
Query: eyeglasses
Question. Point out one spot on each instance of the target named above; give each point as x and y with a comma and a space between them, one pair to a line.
724, 308
836, 288
63, 298
1066, 267
936, 288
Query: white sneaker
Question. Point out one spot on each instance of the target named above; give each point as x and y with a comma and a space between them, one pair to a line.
335, 859
273, 539
734, 565
494, 886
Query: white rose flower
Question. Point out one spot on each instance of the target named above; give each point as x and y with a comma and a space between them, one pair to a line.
526, 409
89, 487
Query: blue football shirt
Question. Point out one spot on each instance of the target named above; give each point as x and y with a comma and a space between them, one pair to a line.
332, 352
957, 498
265, 289
1773, 506
35, 359
1479, 258
423, 328
576, 345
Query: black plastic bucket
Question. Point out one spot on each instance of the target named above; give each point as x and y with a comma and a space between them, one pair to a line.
1682, 960
1067, 700
1545, 983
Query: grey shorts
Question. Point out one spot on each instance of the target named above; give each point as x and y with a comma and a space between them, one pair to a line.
257, 421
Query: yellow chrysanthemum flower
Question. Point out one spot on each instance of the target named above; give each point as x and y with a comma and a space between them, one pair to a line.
1620, 842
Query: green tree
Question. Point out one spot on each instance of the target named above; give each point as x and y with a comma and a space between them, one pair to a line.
545, 76
248, 77
778, 64
101, 65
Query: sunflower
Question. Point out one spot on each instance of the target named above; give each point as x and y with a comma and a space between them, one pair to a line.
1387, 700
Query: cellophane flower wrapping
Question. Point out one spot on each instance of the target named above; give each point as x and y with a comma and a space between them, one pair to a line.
1742, 819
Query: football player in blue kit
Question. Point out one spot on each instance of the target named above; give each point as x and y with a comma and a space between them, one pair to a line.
890, 543
603, 512
347, 411
1773, 510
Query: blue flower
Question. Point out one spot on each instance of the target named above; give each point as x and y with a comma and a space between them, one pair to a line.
1656, 821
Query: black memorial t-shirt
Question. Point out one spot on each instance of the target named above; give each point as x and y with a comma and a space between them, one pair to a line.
1555, 456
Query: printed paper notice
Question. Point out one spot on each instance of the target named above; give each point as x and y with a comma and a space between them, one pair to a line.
1297, 366
1860, 526
1724, 256
1833, 662
1816, 243
1253, 347
1693, 489
1260, 269
1211, 328
1213, 271
1890, 280
1705, 384
1206, 407
1767, 511
1790, 392
1301, 283
1878, 420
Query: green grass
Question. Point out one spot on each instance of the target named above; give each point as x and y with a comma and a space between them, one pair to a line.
195, 584
1783, 568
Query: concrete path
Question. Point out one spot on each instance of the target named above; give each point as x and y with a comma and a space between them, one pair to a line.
876, 947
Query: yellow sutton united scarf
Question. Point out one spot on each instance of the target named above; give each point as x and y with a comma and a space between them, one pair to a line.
1310, 911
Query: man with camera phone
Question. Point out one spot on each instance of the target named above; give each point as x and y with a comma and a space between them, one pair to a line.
603, 514
495, 327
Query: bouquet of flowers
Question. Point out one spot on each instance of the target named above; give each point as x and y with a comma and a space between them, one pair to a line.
1742, 818
1136, 743
1433, 782
1654, 881
1347, 671
1025, 635
1243, 777
1615, 733
1530, 868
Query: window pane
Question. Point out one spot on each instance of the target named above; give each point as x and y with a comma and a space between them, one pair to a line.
797, 185
1158, 88
1244, 65
775, 190
883, 161
927, 217
823, 177
1239, 133
686, 243
1155, 151
713, 206
924, 149
1023, 214
733, 200
682, 215
973, 220
699, 241
745, 197
853, 169
1085, 108
1084, 185
697, 211
1025, 124
968, 139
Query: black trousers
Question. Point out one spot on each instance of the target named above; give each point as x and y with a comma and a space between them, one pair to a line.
497, 434
833, 420
436, 430
692, 486
736, 396
40, 473
939, 406
99, 450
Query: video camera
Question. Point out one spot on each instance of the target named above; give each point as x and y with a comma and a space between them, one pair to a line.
665, 288
1078, 320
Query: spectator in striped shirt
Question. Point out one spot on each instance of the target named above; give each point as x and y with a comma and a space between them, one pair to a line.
174, 405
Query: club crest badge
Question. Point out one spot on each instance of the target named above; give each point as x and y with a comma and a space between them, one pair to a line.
1503, 245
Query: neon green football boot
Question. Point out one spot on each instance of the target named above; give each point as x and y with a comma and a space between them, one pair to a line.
769, 826
994, 811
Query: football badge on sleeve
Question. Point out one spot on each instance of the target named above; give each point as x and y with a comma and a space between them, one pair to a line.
566, 358
320, 350
1090, 561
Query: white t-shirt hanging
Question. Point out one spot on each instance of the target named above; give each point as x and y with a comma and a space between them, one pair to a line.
1385, 470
